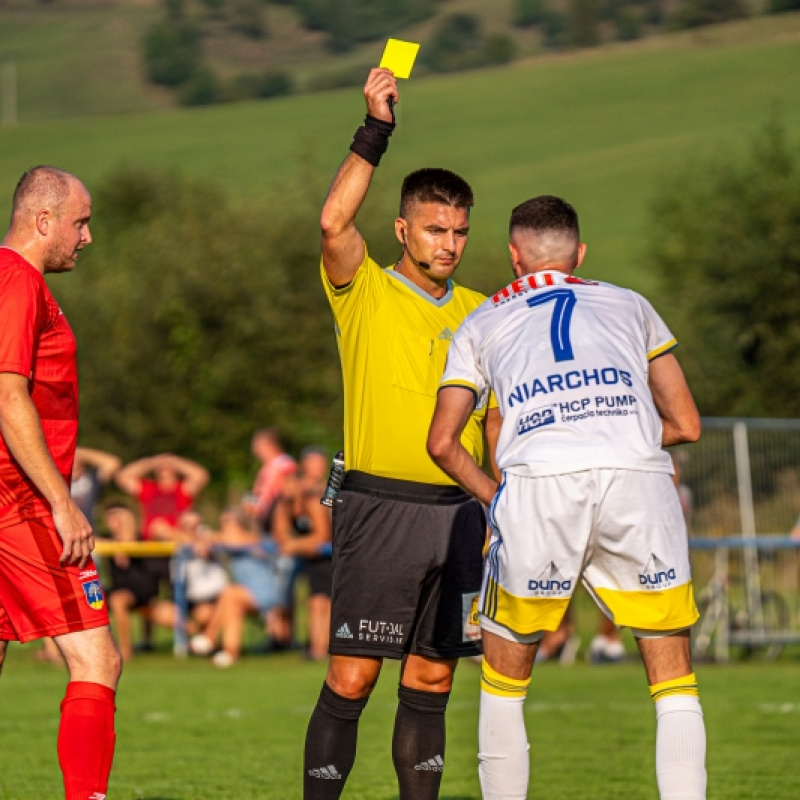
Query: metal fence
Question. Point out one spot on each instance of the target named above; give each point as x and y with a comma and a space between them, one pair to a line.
743, 481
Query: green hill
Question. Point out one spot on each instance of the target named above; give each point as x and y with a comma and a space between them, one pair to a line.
599, 127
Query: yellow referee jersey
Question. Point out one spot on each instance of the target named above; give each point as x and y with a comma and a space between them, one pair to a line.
393, 341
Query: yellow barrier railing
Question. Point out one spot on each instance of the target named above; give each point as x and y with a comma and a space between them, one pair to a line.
106, 547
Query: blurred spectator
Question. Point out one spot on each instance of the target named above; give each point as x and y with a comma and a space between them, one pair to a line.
91, 471
302, 528
134, 585
256, 587
276, 466
562, 644
171, 489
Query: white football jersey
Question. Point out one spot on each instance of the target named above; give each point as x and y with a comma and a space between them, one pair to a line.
568, 361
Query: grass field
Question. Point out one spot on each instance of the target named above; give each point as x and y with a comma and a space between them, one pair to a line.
601, 128
187, 731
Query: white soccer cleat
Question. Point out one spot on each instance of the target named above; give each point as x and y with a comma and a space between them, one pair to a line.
223, 659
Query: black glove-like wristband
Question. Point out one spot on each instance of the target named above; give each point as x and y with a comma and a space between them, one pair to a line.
371, 139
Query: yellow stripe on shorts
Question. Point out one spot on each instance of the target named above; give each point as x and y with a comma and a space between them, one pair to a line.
665, 610
686, 685
523, 615
494, 683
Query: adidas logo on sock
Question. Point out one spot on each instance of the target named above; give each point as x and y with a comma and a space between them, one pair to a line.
329, 773
344, 632
435, 764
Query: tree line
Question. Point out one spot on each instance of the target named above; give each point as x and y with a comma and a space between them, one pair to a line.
200, 318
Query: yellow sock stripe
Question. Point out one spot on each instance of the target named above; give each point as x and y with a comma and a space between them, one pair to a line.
495, 683
685, 685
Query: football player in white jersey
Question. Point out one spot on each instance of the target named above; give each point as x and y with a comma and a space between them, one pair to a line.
589, 394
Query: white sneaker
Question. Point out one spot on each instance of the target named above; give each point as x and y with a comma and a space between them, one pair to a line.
201, 645
223, 659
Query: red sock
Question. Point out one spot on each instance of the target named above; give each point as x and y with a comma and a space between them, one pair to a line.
86, 740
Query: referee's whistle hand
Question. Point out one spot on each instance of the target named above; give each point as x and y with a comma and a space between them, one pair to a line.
76, 534
380, 86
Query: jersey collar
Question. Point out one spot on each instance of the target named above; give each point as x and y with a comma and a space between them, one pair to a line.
435, 301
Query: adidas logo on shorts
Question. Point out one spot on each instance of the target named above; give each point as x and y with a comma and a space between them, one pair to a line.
344, 632
435, 764
329, 773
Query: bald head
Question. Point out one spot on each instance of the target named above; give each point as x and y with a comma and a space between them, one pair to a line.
40, 188
50, 217
544, 234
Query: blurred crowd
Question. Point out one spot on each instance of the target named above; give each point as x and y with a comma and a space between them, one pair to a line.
248, 565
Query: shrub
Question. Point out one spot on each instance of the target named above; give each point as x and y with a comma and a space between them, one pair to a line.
172, 53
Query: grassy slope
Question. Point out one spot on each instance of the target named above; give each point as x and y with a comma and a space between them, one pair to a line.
599, 128
187, 731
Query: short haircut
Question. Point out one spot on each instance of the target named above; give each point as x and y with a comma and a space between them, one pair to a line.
313, 450
546, 213
41, 187
435, 185
270, 434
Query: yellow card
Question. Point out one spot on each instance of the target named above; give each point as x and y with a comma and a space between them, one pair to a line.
399, 57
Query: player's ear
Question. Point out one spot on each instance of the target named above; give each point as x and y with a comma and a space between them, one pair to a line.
581, 254
516, 265
400, 227
43, 219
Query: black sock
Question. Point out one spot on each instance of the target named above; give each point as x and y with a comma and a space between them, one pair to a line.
418, 743
330, 745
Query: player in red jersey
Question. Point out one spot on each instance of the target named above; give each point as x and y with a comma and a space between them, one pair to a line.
49, 584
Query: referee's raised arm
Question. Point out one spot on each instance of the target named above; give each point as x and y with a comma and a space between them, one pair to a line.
342, 244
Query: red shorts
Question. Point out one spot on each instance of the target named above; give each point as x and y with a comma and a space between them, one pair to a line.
38, 596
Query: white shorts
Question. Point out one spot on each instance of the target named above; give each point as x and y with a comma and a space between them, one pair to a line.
621, 532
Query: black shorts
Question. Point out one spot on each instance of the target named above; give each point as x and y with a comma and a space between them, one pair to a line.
319, 572
407, 564
138, 579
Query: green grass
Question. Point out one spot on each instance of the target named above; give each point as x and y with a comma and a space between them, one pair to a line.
601, 128
187, 731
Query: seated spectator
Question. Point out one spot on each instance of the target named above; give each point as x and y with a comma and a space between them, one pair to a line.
256, 587
302, 528
134, 584
205, 576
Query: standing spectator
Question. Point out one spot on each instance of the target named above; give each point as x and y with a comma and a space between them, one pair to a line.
173, 484
276, 466
49, 585
589, 394
92, 470
407, 541
302, 529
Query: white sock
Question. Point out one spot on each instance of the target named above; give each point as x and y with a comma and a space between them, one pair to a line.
503, 748
680, 748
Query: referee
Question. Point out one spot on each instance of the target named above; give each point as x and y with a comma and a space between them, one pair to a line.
407, 541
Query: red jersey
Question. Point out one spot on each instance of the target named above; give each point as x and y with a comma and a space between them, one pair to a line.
36, 341
156, 504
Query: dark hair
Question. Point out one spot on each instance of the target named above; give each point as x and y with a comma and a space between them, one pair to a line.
546, 213
435, 185
48, 184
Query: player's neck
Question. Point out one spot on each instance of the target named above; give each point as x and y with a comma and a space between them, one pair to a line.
23, 250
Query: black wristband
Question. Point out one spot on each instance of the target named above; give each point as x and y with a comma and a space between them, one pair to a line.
371, 139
